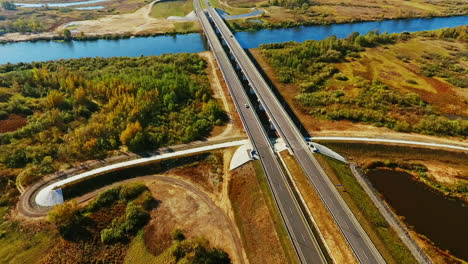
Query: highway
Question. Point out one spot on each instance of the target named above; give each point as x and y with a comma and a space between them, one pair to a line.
362, 246
305, 244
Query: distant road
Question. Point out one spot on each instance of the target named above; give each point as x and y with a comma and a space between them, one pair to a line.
305, 244
362, 246
395, 141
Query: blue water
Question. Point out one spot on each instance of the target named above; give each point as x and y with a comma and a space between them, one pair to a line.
45, 50
254, 39
60, 4
133, 47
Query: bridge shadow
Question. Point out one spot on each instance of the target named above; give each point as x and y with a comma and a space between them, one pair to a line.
278, 95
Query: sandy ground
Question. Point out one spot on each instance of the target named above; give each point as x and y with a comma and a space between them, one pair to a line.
191, 211
133, 23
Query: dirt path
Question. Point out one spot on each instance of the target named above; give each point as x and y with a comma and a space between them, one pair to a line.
213, 223
232, 128
139, 21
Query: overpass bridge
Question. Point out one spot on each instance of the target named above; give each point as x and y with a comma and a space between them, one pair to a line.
305, 244
362, 246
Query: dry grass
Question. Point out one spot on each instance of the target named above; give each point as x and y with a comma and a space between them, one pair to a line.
20, 244
330, 11
399, 67
386, 64
172, 8
339, 247
264, 236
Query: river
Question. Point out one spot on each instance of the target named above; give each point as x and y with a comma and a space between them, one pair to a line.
50, 50
440, 219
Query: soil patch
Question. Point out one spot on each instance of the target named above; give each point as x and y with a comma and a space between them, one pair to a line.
12, 123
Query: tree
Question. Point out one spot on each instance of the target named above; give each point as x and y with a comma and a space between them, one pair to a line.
67, 34
66, 217
8, 5
130, 132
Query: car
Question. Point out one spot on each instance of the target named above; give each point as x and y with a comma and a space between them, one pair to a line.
247, 106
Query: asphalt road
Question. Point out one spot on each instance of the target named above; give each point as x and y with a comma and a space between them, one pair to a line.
304, 242
362, 246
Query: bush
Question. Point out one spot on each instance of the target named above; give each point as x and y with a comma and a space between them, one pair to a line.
178, 235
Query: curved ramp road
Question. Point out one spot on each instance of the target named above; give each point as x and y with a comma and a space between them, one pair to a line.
50, 195
361, 244
303, 240
395, 141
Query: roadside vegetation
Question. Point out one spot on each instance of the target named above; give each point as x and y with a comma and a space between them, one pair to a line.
85, 109
334, 81
384, 237
264, 236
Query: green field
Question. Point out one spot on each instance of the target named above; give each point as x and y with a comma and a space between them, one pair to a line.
21, 246
172, 8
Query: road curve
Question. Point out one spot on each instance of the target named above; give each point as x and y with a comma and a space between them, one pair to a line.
29, 206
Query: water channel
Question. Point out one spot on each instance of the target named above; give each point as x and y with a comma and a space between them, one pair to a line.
50, 50
430, 213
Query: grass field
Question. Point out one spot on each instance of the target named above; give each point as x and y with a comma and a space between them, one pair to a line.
18, 245
138, 254
404, 85
265, 238
338, 247
332, 11
165, 9
279, 225
384, 237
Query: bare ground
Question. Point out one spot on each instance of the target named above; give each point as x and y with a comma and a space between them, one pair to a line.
191, 211
338, 247
139, 21
12, 123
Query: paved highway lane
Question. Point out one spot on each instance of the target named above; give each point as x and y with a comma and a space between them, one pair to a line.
304, 242
362, 246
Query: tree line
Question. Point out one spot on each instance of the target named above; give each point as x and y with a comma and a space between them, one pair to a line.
85, 108
310, 66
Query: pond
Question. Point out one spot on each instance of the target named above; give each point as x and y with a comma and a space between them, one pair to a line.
45, 50
430, 213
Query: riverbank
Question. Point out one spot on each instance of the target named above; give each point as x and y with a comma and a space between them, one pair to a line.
248, 25
92, 30
82, 37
